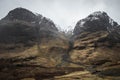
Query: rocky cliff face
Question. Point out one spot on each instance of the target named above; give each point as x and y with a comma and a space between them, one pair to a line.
95, 22
25, 35
23, 23
96, 43
98, 21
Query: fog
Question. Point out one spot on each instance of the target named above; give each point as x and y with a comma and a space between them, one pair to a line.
64, 12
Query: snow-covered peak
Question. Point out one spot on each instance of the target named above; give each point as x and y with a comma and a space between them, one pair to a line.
99, 13
95, 22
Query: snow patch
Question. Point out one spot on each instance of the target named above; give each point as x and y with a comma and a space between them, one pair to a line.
93, 18
111, 21
82, 23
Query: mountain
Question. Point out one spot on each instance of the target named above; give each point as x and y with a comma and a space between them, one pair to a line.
32, 47
24, 34
96, 44
95, 22
98, 21
20, 14
22, 23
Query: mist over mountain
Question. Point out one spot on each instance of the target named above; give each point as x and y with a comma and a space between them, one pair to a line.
64, 13
33, 47
21, 24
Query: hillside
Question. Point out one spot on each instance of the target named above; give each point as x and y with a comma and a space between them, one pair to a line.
32, 48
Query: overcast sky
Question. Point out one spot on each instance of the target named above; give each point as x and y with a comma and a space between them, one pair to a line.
64, 12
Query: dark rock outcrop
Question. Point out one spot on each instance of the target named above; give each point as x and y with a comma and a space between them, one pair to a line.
20, 14
21, 25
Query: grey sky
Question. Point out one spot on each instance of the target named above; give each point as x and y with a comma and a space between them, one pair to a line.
64, 12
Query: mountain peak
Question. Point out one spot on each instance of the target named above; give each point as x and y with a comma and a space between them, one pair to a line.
20, 14
98, 13
21, 25
19, 8
96, 21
